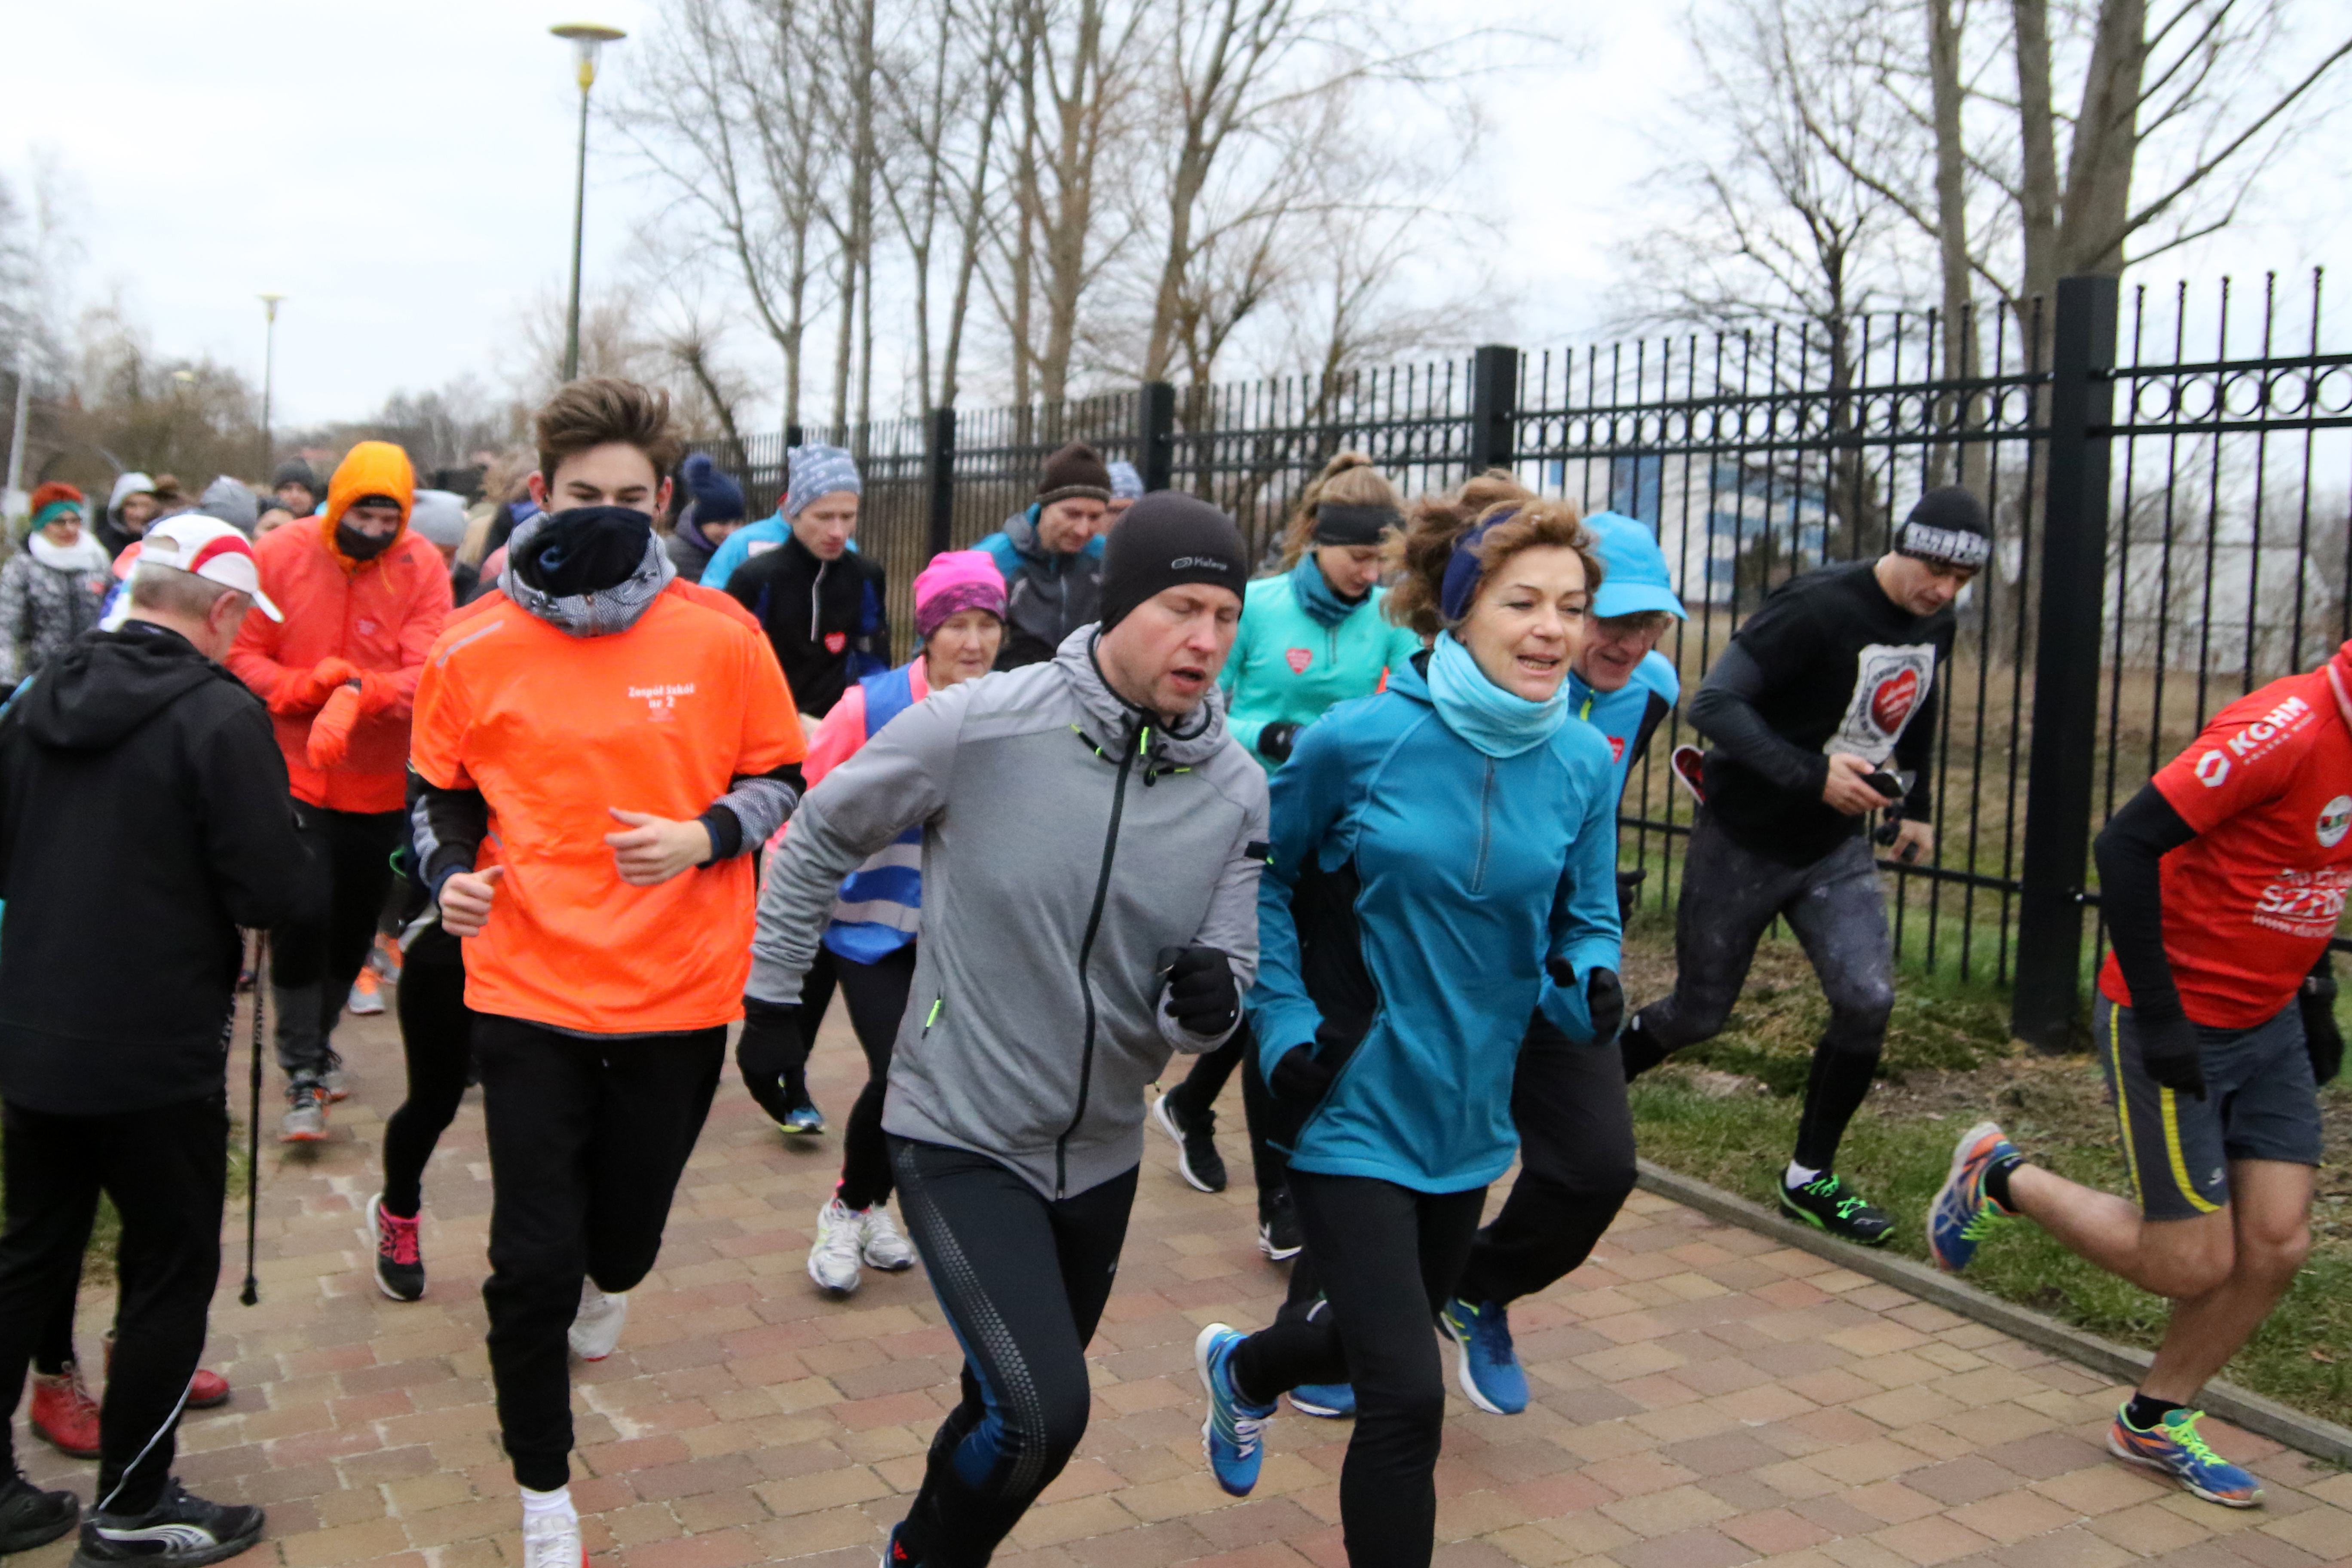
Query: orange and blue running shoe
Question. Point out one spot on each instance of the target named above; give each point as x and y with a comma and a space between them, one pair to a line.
1964, 1213
2174, 1449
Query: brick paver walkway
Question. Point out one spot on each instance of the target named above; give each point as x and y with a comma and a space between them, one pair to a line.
1705, 1398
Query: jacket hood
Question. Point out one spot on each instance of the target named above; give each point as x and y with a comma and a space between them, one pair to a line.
1115, 722
109, 683
369, 468
596, 615
125, 487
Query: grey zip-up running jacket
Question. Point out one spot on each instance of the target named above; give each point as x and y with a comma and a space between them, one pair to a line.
1067, 841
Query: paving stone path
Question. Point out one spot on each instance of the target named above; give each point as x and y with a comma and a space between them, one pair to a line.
1705, 1398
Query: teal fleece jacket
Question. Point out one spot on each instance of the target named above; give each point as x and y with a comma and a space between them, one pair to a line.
1287, 667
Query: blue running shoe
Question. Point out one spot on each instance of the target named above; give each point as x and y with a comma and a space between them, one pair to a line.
804, 1120
1330, 1401
2174, 1449
1484, 1363
1964, 1213
1233, 1435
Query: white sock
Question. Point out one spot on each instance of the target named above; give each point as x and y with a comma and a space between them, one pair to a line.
1796, 1175
546, 1504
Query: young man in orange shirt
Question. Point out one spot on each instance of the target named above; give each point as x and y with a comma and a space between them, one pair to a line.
619, 750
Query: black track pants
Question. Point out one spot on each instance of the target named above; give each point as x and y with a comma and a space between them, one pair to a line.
167, 1171
1729, 897
1022, 1280
313, 965
436, 1036
1387, 1256
1576, 1167
876, 994
588, 1138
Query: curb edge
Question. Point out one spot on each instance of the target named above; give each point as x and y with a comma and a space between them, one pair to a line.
2263, 1417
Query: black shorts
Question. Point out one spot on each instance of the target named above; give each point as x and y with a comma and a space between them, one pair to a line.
2261, 1103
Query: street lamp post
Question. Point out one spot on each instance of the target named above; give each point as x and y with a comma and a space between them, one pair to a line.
587, 38
269, 304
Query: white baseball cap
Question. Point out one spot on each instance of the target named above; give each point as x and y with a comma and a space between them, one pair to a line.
211, 549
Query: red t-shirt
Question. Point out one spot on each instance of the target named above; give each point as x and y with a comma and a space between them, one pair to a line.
2250, 901
553, 730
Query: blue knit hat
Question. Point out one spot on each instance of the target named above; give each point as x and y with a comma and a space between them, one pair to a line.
819, 471
1635, 578
717, 498
1125, 484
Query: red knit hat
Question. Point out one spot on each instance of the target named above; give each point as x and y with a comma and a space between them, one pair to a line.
52, 492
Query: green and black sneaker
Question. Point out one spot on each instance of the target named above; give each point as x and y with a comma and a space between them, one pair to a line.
1825, 1204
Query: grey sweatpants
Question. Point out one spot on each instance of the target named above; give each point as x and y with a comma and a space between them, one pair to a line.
1729, 897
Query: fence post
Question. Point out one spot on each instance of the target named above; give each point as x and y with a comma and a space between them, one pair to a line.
2059, 779
1156, 439
1494, 407
938, 467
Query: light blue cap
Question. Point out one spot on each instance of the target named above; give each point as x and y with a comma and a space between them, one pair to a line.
1634, 577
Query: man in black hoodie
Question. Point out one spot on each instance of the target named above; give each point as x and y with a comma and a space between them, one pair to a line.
139, 790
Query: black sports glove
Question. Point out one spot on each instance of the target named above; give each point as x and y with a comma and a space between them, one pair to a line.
1604, 997
1203, 994
2171, 1053
1274, 741
1298, 1081
2321, 1037
771, 1032
1629, 888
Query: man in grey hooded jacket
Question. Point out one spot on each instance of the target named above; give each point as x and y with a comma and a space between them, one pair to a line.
1091, 844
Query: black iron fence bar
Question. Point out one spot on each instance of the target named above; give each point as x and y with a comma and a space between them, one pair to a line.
1800, 396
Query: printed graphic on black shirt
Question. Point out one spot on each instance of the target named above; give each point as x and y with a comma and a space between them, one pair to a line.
1891, 681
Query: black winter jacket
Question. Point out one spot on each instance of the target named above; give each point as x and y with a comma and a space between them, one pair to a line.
144, 817
826, 618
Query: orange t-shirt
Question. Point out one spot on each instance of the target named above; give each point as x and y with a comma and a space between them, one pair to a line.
553, 730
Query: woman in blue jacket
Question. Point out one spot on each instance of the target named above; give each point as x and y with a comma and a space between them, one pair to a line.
1311, 636
1442, 872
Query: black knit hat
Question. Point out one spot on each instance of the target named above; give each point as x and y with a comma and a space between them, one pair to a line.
1077, 472
1949, 527
295, 471
1168, 538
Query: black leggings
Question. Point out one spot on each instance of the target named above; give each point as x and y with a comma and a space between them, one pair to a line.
313, 965
777, 1075
1022, 1280
1388, 1258
588, 1138
1197, 1096
877, 997
1576, 1167
1729, 899
436, 1036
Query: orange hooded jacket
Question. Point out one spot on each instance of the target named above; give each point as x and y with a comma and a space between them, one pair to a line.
378, 615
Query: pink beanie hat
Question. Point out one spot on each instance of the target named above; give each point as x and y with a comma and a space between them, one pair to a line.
956, 580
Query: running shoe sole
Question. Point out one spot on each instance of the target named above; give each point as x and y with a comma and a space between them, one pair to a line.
1320, 1412
1960, 1151
1161, 1114
2117, 1448
1277, 1253
375, 1258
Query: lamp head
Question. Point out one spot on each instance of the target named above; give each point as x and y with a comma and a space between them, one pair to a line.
587, 38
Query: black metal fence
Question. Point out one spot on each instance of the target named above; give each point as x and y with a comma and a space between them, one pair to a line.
2173, 531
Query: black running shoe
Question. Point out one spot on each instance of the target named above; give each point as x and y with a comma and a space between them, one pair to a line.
180, 1531
30, 1517
1826, 1203
1197, 1160
1277, 1227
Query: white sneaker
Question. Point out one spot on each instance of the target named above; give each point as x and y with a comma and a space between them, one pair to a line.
596, 1327
879, 1240
833, 1261
553, 1541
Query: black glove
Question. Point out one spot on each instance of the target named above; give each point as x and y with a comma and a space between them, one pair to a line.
1604, 997
1274, 741
771, 1033
1203, 994
2321, 1037
2171, 1053
1629, 888
1298, 1081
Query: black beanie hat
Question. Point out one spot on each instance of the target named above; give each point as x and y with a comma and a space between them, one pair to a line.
1949, 527
1077, 472
1168, 538
295, 471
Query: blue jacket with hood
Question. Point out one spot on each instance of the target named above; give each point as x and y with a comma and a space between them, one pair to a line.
1628, 716
1415, 891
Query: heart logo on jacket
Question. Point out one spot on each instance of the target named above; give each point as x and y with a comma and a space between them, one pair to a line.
1891, 704
1299, 658
835, 641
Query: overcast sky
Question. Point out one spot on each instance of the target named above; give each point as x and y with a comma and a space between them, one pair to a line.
403, 175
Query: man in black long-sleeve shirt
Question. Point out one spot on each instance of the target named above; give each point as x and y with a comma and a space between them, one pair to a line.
2222, 882
1830, 686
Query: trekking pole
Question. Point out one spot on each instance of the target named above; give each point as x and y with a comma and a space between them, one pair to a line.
252, 1292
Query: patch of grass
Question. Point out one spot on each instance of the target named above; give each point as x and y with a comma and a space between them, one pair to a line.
1949, 1062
